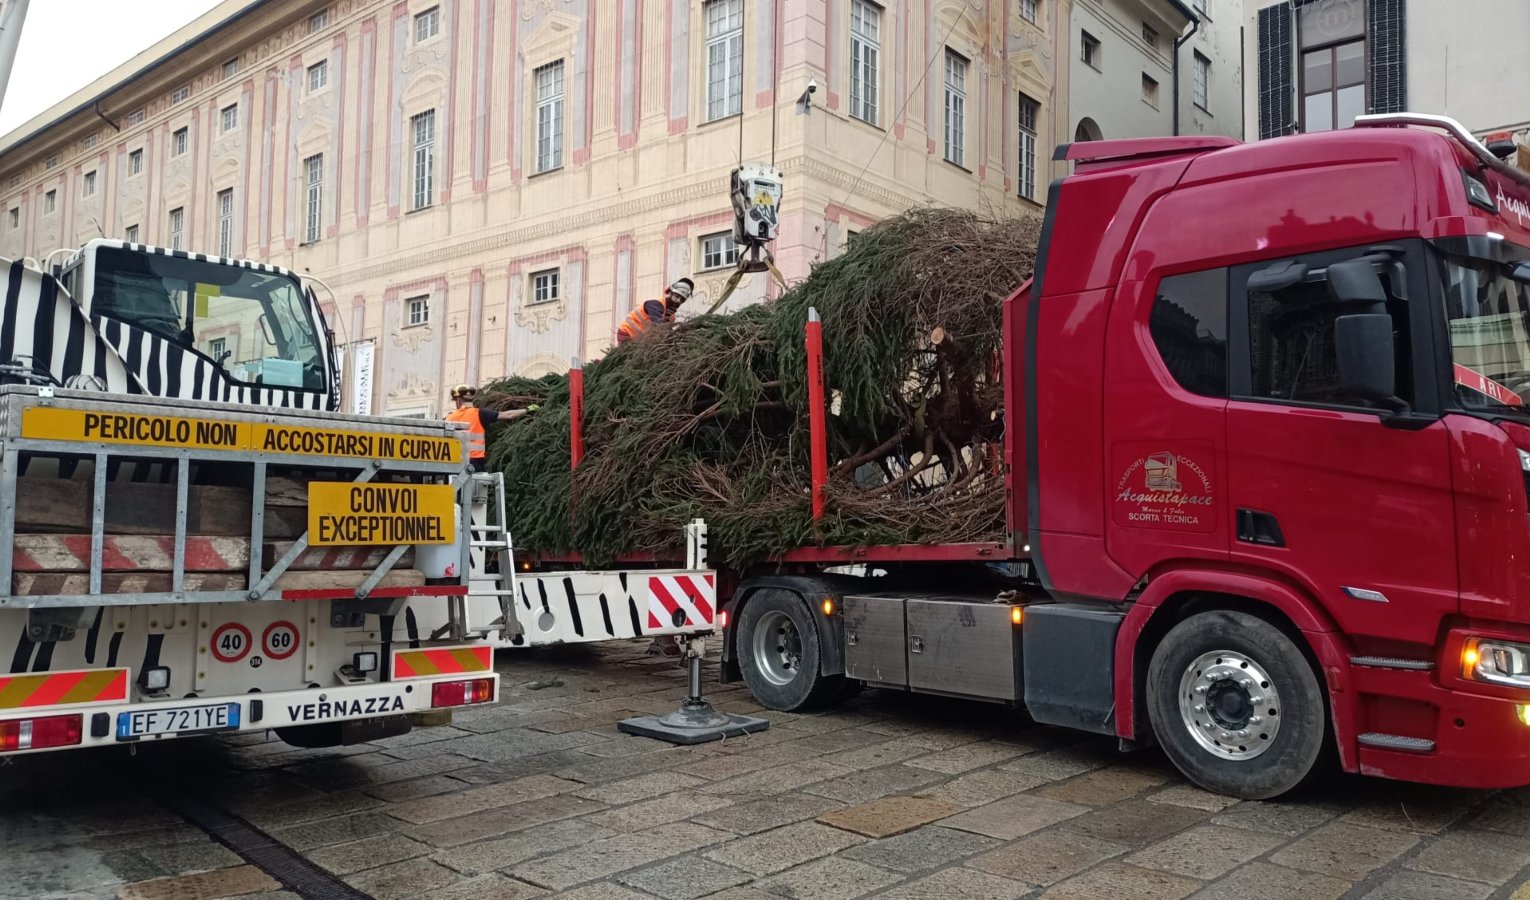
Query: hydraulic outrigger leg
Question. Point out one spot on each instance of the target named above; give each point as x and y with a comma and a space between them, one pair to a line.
696, 721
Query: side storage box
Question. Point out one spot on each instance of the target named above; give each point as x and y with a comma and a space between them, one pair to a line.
966, 648
876, 649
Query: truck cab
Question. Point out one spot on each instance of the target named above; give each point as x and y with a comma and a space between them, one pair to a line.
1278, 422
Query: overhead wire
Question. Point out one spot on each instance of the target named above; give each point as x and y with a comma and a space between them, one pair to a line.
923, 74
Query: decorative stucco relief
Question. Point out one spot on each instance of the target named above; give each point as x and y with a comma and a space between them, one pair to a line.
320, 105
530, 8
412, 337
540, 316
431, 55
414, 388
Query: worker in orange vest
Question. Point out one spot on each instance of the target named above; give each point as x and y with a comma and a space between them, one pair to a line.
477, 420
655, 311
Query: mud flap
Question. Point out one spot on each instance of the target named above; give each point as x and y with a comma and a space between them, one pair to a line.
344, 734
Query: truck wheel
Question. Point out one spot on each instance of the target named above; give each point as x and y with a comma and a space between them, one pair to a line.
778, 653
1236, 706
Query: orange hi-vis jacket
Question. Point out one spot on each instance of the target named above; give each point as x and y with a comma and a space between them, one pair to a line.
650, 312
471, 416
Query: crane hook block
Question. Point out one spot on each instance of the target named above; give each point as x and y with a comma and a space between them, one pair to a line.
756, 194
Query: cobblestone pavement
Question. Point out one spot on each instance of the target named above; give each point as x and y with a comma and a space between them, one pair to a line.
889, 795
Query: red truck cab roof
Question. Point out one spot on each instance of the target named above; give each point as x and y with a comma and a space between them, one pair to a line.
1385, 179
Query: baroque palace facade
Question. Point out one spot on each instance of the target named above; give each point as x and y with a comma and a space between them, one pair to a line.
488, 186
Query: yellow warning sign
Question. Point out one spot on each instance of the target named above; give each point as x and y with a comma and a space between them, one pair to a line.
361, 444
344, 513
54, 424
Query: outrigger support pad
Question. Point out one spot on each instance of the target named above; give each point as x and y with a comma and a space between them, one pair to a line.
696, 721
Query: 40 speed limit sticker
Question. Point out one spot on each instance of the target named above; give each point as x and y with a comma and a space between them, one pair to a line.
230, 642
280, 640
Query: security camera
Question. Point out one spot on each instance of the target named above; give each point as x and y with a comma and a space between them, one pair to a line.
805, 102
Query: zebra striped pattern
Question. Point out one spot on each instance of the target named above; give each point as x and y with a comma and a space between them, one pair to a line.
41, 321
181, 254
165, 369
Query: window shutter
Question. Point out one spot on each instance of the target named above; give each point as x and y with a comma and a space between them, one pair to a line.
1387, 47
1277, 89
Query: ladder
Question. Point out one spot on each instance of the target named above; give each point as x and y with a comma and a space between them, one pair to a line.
491, 563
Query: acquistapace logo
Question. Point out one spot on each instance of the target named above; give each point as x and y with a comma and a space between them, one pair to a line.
1508, 204
1164, 489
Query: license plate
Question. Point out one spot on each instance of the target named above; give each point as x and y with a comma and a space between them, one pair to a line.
180, 720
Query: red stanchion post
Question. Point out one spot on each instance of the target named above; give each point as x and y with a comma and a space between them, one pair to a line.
575, 414
818, 438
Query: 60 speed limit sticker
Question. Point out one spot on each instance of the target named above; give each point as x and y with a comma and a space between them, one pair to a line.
230, 642
280, 640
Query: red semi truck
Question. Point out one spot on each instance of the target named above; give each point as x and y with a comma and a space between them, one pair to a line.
1268, 458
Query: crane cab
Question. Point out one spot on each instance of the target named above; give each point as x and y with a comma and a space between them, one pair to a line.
243, 329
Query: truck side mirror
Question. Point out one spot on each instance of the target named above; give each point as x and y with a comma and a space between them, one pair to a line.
1356, 281
1277, 277
1521, 272
1366, 356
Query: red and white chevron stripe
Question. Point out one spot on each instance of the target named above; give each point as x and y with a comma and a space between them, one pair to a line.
695, 595
156, 553
128, 553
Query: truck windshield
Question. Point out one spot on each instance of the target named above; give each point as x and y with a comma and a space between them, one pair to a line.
255, 325
1489, 314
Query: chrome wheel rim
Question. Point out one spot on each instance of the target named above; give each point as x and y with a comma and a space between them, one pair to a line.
777, 648
1230, 705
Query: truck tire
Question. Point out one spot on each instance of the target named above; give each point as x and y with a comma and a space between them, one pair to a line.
778, 652
1236, 706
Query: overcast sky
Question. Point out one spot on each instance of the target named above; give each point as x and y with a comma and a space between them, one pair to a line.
67, 44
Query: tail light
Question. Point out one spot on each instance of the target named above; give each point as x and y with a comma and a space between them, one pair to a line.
40, 733
722, 620
461, 693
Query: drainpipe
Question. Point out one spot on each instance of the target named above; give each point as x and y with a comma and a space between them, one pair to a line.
1195, 25
1243, 83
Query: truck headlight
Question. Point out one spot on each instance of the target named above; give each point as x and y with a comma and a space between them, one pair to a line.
1496, 662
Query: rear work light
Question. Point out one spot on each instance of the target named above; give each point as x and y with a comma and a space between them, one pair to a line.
40, 733
461, 693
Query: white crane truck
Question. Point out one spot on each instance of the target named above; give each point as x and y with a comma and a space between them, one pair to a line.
194, 539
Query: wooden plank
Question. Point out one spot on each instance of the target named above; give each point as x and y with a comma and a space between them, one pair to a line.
335, 557
37, 584
284, 491
129, 553
300, 581
52, 505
